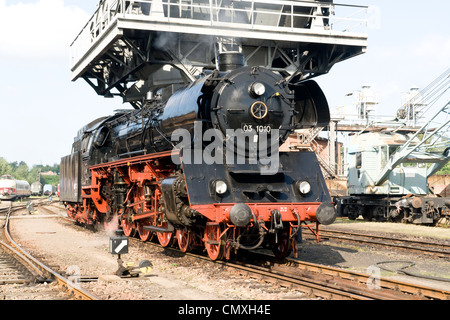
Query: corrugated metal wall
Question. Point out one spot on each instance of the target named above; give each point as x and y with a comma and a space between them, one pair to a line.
69, 179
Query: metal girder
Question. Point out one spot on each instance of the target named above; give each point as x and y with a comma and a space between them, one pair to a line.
429, 136
125, 44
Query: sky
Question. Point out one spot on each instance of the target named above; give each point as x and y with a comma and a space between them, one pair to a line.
41, 109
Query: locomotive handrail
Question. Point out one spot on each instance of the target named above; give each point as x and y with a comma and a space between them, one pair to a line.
253, 15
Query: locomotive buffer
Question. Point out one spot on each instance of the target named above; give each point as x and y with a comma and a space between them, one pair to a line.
132, 48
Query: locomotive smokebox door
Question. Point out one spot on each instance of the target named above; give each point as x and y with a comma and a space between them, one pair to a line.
118, 244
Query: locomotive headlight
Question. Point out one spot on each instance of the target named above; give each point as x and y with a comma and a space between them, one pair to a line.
221, 187
304, 187
257, 89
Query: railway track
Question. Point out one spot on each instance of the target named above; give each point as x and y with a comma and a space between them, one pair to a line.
12, 271
23, 205
382, 287
323, 281
424, 247
333, 283
22, 268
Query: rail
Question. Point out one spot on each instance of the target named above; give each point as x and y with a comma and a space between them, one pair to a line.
320, 280
434, 248
288, 17
40, 268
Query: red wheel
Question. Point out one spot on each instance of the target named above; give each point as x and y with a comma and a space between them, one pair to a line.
128, 227
184, 240
283, 248
144, 234
214, 244
165, 238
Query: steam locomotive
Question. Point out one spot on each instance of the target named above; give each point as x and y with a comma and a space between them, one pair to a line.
199, 164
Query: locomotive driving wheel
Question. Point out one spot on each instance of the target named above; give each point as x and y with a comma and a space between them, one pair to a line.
184, 239
165, 238
128, 227
214, 243
144, 234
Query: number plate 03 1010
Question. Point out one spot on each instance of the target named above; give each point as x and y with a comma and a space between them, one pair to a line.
266, 128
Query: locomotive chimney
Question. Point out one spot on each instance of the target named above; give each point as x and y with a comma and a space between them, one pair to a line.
229, 61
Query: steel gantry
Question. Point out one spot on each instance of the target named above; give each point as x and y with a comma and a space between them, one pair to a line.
133, 48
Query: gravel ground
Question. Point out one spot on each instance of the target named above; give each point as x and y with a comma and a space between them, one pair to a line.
68, 247
360, 258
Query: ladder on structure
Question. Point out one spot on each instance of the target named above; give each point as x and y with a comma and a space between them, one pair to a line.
306, 140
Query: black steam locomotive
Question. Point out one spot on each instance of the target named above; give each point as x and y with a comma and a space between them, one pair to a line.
200, 164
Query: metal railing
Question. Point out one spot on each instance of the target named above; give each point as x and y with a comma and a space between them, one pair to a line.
260, 15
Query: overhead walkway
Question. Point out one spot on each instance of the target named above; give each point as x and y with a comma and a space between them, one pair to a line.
130, 48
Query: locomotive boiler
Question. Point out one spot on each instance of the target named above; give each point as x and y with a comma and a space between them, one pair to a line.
199, 164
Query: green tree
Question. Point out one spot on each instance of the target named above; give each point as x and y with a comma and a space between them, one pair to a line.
33, 174
445, 169
53, 180
21, 172
5, 167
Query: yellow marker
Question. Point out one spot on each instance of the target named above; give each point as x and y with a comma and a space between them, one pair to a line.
145, 266
146, 269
